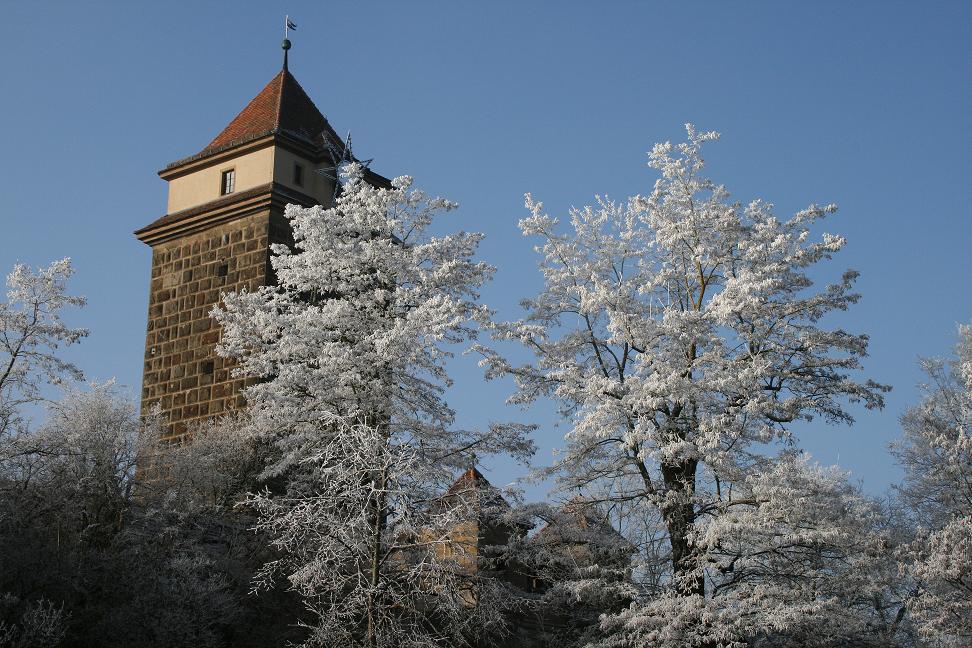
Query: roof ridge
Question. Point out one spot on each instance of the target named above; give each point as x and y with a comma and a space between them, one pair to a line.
284, 73
253, 117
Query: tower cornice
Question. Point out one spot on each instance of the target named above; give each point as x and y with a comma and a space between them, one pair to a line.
223, 210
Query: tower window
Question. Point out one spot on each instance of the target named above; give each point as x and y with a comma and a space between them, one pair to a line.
228, 184
299, 175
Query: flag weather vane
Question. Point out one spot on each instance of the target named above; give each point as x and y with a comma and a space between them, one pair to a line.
288, 25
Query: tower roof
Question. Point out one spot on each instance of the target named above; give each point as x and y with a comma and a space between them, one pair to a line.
473, 487
281, 108
281, 115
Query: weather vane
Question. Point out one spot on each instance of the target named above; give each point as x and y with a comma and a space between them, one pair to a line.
288, 25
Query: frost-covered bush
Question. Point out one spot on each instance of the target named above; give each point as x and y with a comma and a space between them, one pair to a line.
41, 624
114, 568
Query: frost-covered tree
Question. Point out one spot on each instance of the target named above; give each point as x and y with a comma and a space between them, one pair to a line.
81, 461
936, 452
940, 562
216, 468
349, 349
83, 559
807, 563
682, 335
31, 330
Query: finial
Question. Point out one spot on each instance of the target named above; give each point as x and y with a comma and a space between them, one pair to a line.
288, 25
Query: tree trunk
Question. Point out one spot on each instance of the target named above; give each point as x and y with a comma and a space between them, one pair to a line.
379, 520
679, 519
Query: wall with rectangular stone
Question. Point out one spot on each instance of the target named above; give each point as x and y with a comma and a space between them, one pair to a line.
182, 372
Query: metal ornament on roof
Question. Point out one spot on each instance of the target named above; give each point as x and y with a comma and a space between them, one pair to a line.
288, 25
341, 158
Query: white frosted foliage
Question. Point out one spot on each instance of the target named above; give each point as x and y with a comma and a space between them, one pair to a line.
31, 331
350, 347
682, 335
936, 451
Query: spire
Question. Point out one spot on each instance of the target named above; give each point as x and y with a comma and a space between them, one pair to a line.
288, 25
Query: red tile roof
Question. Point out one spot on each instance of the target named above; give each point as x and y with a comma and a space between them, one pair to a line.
473, 483
470, 480
281, 107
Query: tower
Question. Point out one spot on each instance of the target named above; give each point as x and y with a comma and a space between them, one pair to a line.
225, 210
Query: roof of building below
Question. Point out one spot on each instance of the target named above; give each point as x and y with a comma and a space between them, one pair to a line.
473, 487
579, 522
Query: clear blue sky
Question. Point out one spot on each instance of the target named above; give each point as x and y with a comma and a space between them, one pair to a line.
866, 104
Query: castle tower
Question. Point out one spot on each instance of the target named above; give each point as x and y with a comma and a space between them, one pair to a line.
482, 527
225, 209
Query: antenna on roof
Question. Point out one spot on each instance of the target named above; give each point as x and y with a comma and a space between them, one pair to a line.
288, 25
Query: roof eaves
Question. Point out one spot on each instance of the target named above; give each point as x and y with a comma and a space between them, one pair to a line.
207, 152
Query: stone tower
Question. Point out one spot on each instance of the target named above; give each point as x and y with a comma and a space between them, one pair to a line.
225, 209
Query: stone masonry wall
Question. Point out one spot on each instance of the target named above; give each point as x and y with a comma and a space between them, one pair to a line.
182, 371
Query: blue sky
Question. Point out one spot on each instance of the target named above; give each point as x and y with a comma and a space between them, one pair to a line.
865, 104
